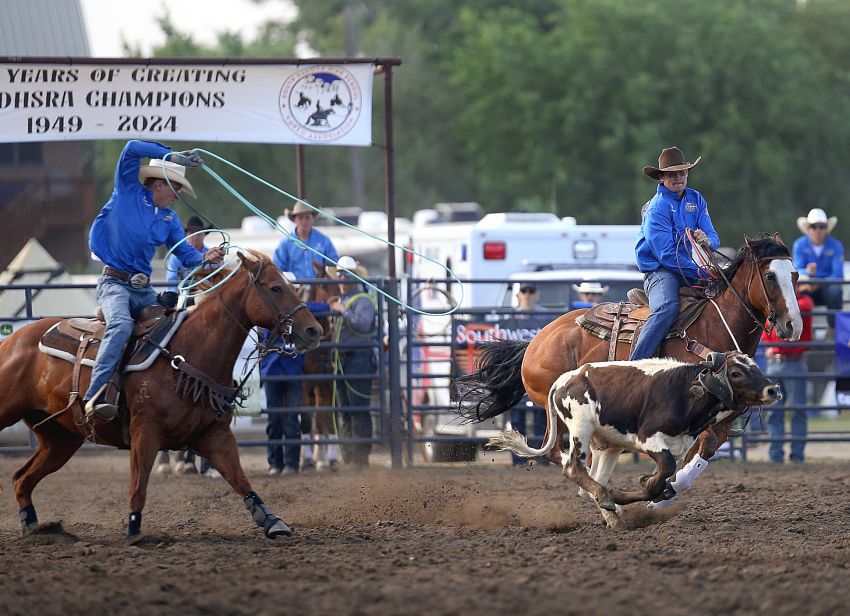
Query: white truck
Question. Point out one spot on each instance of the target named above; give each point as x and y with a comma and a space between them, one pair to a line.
504, 250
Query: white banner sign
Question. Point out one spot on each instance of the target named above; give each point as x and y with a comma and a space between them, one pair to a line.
263, 103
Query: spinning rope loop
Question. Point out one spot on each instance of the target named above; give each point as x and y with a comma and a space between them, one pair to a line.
186, 286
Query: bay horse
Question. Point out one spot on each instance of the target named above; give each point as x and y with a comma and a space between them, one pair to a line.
761, 288
319, 393
37, 387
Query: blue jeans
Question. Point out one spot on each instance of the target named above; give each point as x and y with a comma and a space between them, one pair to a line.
284, 394
662, 290
120, 304
794, 391
519, 422
352, 395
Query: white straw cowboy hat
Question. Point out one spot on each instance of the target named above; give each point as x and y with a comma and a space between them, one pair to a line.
176, 174
346, 264
590, 287
816, 216
671, 159
299, 208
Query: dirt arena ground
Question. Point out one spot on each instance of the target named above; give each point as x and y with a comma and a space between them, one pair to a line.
482, 538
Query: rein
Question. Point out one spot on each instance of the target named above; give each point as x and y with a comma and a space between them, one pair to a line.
192, 382
713, 266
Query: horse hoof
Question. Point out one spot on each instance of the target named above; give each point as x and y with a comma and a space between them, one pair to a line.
278, 529
608, 504
134, 539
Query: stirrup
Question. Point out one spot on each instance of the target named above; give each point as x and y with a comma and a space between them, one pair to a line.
103, 411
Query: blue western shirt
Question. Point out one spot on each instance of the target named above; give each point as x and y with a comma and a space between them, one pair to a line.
290, 256
664, 222
275, 364
129, 228
830, 262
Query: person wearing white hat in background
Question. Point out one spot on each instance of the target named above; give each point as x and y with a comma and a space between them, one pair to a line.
358, 311
819, 255
589, 294
135, 221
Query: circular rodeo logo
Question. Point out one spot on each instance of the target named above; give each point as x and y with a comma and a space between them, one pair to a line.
321, 103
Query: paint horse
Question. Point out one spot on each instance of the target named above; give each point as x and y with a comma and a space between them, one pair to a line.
319, 394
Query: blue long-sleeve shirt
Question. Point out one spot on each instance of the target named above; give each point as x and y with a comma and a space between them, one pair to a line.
664, 223
275, 364
175, 271
830, 263
290, 256
129, 228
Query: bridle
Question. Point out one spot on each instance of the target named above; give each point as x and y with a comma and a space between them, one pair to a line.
283, 321
757, 262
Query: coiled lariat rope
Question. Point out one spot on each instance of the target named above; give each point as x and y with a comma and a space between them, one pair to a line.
186, 286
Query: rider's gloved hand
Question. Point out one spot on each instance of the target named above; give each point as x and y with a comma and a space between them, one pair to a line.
187, 158
702, 239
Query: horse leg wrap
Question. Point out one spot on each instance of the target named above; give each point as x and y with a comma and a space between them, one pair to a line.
29, 520
690, 471
272, 525
134, 524
682, 481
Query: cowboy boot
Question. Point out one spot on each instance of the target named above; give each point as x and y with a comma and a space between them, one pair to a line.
104, 405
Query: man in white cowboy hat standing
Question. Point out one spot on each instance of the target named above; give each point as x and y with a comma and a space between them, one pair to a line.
819, 255
291, 256
133, 223
663, 254
589, 294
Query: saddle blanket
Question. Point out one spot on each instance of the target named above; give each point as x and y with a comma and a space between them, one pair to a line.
57, 343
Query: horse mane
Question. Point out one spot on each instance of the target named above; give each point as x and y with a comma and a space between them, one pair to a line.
220, 275
764, 246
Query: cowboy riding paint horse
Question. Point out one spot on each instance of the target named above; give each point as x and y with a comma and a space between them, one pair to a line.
761, 286
185, 398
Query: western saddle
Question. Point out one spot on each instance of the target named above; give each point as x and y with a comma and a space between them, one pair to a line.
622, 322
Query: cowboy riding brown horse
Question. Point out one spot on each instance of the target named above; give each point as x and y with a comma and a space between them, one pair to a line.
184, 399
761, 287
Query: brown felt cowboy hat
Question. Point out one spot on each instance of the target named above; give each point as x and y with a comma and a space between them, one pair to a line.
166, 170
671, 159
299, 208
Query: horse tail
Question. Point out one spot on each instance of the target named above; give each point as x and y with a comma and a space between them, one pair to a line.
515, 442
495, 384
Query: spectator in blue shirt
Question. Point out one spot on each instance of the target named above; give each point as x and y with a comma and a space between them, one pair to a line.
175, 271
819, 255
282, 394
133, 223
291, 256
662, 251
589, 294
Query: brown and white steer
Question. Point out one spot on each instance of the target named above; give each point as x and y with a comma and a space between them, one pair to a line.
653, 406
